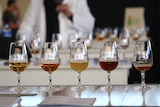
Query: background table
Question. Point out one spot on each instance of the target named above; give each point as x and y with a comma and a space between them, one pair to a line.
64, 75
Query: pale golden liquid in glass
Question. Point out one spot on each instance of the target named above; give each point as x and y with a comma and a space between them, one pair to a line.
124, 46
18, 66
88, 47
113, 39
79, 66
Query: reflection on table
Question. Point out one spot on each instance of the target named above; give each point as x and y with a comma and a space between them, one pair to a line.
122, 96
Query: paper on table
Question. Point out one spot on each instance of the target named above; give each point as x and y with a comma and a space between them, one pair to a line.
17, 95
69, 101
10, 92
9, 101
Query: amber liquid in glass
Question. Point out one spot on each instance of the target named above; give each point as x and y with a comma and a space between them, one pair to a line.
100, 38
34, 52
143, 67
108, 66
49, 67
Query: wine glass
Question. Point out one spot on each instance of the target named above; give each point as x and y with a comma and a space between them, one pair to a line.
79, 60
88, 37
124, 41
18, 61
50, 62
21, 37
135, 34
113, 34
100, 34
72, 37
108, 59
143, 60
35, 48
57, 37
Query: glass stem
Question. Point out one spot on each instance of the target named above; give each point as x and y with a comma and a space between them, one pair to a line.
143, 79
109, 97
124, 52
19, 81
50, 80
109, 80
79, 80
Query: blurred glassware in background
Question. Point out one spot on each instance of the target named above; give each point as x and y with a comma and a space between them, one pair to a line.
21, 37
72, 37
35, 44
89, 40
109, 31
87, 37
124, 41
100, 34
35, 48
113, 34
135, 34
106, 33
57, 38
138, 34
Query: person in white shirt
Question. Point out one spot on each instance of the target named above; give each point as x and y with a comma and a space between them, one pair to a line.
72, 15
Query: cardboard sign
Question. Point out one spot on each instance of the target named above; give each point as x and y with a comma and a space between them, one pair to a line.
134, 17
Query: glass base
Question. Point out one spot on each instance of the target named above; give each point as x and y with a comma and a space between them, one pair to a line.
27, 90
50, 90
17, 89
140, 87
78, 87
108, 88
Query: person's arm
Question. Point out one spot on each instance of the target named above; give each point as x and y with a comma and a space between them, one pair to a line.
29, 20
66, 10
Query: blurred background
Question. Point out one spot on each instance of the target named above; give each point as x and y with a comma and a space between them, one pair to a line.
22, 4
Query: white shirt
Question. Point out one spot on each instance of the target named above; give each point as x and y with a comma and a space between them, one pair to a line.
34, 20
